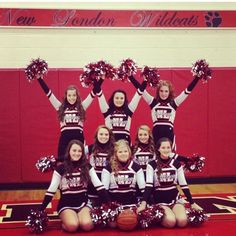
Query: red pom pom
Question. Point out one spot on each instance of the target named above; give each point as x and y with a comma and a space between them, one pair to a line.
46, 164
94, 71
150, 216
195, 163
37, 67
107, 69
91, 73
37, 221
101, 216
201, 70
127, 68
151, 75
127, 220
196, 217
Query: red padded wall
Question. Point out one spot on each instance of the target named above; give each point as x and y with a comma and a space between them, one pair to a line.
10, 139
39, 126
222, 123
29, 128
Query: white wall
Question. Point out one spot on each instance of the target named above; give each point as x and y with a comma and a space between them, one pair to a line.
74, 48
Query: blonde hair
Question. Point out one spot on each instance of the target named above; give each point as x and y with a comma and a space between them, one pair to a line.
115, 164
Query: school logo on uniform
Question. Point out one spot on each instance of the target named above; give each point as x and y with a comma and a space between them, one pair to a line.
167, 177
71, 118
143, 159
124, 180
119, 120
163, 113
70, 182
100, 162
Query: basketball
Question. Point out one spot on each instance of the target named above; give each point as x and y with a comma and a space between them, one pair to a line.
127, 220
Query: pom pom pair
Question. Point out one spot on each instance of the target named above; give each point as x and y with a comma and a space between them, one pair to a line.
101, 216
201, 70
37, 221
128, 68
36, 68
94, 71
46, 164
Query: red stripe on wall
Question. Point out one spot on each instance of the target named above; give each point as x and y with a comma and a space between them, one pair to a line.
12, 17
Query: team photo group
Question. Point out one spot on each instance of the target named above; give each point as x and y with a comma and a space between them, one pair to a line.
117, 181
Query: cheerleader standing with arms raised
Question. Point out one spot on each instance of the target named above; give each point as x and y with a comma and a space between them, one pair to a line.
99, 154
71, 114
118, 112
163, 108
72, 178
163, 175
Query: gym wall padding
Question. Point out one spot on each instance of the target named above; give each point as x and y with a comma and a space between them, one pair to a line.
205, 122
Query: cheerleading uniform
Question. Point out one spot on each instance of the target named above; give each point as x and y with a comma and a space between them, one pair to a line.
163, 113
73, 191
119, 120
122, 187
143, 155
71, 127
165, 184
98, 161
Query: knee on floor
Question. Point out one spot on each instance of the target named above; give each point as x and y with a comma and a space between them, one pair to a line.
182, 222
70, 227
87, 226
169, 223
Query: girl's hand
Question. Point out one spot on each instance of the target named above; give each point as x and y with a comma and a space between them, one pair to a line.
144, 78
97, 86
103, 76
142, 207
39, 76
196, 207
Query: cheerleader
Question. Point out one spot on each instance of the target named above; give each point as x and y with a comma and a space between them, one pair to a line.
72, 178
99, 154
163, 108
121, 176
164, 174
143, 148
71, 114
118, 112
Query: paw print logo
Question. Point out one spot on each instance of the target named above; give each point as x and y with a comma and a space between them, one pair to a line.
213, 19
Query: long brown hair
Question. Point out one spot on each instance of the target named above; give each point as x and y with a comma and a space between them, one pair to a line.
111, 104
115, 164
82, 163
158, 155
65, 104
109, 146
